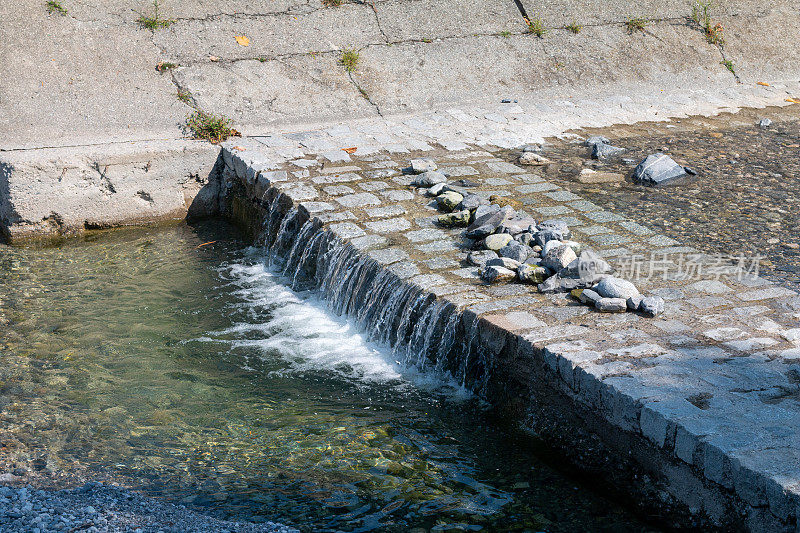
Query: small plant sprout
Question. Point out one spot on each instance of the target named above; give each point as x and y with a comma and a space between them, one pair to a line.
536, 27
636, 24
209, 127
165, 66
331, 3
701, 15
185, 96
728, 64
575, 28
349, 60
54, 6
153, 21
505, 33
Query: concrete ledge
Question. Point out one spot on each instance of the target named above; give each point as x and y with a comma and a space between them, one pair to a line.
57, 192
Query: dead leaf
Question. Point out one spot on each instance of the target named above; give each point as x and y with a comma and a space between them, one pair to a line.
234, 133
242, 40
350, 150
213, 58
762, 83
240, 148
205, 244
793, 100
715, 134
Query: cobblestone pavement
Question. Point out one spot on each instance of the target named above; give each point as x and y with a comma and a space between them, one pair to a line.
714, 380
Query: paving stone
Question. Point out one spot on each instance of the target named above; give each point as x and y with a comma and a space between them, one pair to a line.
436, 246
390, 225
553, 211
372, 186
404, 269
594, 230
345, 177
388, 255
428, 234
397, 196
458, 171
336, 190
301, 192
611, 239
347, 230
603, 216
358, 200
504, 168
316, 207
438, 263
536, 187
368, 241
386, 211
763, 294
335, 217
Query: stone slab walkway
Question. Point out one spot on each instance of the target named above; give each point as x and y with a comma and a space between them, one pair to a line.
714, 381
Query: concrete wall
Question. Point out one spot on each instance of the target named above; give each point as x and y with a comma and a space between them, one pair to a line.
88, 79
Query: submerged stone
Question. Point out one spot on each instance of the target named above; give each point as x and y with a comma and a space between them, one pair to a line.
602, 151
533, 159
658, 169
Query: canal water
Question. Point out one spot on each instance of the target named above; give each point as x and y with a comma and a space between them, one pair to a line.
745, 199
174, 362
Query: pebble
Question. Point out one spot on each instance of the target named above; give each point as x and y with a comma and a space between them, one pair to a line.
496, 274
514, 250
505, 262
531, 274
658, 169
497, 240
449, 200
533, 159
96, 507
558, 258
455, 219
611, 305
429, 179
652, 305
612, 287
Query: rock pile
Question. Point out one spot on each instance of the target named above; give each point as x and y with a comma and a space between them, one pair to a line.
509, 245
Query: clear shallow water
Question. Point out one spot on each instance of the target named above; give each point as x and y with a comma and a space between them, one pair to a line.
191, 373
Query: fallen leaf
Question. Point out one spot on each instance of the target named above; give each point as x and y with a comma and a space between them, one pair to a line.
350, 150
793, 100
213, 58
240, 148
242, 40
762, 83
715, 134
205, 244
234, 133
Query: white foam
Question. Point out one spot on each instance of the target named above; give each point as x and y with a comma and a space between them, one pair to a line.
305, 335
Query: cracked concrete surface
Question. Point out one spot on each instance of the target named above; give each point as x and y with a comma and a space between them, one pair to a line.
89, 78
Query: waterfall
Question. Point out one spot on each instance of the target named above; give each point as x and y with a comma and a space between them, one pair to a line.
423, 331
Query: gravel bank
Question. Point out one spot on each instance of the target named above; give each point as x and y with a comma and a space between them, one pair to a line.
96, 507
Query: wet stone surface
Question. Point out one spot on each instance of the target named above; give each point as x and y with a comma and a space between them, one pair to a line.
744, 199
